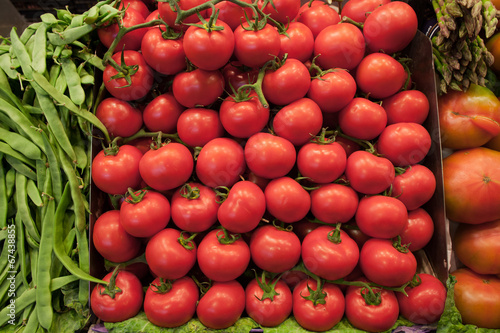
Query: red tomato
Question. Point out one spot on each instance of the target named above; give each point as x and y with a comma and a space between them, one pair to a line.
379, 259
132, 39
362, 119
299, 43
333, 90
166, 56
222, 305
235, 75
243, 208
425, 302
167, 257
282, 11
418, 231
287, 200
119, 117
369, 174
317, 16
328, 257
404, 143
221, 261
232, 13
169, 13
137, 5
162, 113
125, 304
171, 304
269, 156
339, 46
407, 106
154, 15
141, 80
381, 216
318, 317
348, 145
321, 163
415, 186
358, 10
390, 27
333, 203
198, 126
146, 216
114, 174
112, 241
274, 249
298, 121
168, 167
143, 144
253, 48
198, 88
220, 162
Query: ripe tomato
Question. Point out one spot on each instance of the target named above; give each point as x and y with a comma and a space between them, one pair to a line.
415, 186
390, 27
112, 241
274, 249
222, 305
169, 13
333, 203
477, 298
269, 156
167, 257
220, 162
236, 74
299, 43
198, 88
171, 304
283, 11
493, 46
231, 13
317, 317
298, 121
125, 304
119, 117
166, 56
425, 302
358, 10
369, 174
478, 246
407, 106
114, 174
137, 5
333, 90
198, 126
162, 113
317, 15
471, 185
141, 80
132, 39
167, 167
419, 229
253, 48
362, 119
321, 162
221, 261
325, 256
287, 200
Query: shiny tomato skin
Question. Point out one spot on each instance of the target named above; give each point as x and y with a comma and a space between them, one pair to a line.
333, 91
169, 14
358, 10
369, 174
255, 48
231, 13
173, 308
415, 186
198, 88
166, 56
162, 113
318, 16
419, 229
126, 303
287, 200
236, 74
407, 106
362, 119
334, 203
132, 39
321, 163
197, 126
299, 43
242, 119
120, 117
137, 5
283, 11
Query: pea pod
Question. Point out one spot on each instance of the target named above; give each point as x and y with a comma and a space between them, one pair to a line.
21, 144
21, 250
32, 324
41, 167
39, 54
23, 209
5, 64
33, 193
20, 167
70, 35
54, 168
10, 182
8, 151
76, 92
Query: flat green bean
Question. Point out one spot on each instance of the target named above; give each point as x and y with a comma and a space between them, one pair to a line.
7, 150
34, 193
9, 269
49, 19
4, 255
33, 254
57, 266
32, 324
4, 288
54, 72
21, 144
20, 167
70, 35
54, 168
21, 250
60, 82
91, 59
28, 32
5, 64
19, 50
4, 199
27, 312
23, 209
41, 167
39, 54
84, 262
10, 182
4, 80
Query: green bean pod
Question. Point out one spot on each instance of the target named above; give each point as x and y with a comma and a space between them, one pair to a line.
23, 209
20, 144
21, 167
39, 53
4, 199
76, 91
33, 193
21, 250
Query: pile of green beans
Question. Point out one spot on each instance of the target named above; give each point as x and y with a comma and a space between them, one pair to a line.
47, 103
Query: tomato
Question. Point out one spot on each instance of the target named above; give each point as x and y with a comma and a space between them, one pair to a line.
243, 208
329, 255
171, 304
145, 213
299, 43
407, 106
333, 203
244, 118
358, 10
381, 216
321, 162
419, 229
390, 27
154, 15
236, 74
198, 126
349, 145
268, 308
166, 56
317, 16
362, 119
415, 186
369, 174
269, 156
253, 48
333, 90
162, 113
115, 173
339, 46
493, 46
167, 257
317, 317
222, 305
425, 302
287, 200
298, 121
231, 13
119, 117
221, 261
371, 317
380, 75
111, 240
220, 162
471, 185
468, 119
274, 249
132, 39
283, 11
169, 13
143, 144
478, 246
209, 48
404, 143
379, 259
125, 304
198, 88
137, 5
167, 167
141, 80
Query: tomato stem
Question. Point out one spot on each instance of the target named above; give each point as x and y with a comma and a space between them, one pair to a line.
334, 235
226, 238
189, 192
269, 291
187, 243
111, 289
163, 287
135, 197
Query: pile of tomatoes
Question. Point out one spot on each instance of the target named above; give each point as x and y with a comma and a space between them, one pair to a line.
294, 152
